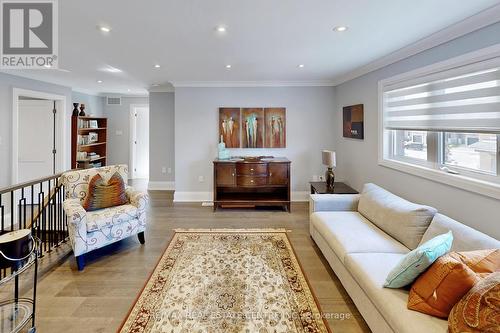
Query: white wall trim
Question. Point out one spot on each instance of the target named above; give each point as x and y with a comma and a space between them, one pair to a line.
161, 186
131, 138
459, 181
61, 163
475, 22
250, 84
297, 196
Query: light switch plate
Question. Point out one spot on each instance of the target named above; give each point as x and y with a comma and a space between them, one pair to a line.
119, 132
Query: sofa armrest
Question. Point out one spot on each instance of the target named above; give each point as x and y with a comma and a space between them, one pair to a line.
137, 198
77, 225
75, 212
333, 202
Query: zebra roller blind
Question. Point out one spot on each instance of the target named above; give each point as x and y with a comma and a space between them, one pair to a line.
462, 99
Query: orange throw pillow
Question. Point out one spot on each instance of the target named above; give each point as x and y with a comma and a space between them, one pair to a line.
483, 262
438, 289
479, 310
103, 195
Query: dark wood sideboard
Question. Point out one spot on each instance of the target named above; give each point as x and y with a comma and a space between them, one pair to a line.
252, 183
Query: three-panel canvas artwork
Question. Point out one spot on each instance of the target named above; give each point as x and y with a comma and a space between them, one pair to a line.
253, 127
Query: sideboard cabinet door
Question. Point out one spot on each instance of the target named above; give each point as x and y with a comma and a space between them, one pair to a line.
278, 174
226, 174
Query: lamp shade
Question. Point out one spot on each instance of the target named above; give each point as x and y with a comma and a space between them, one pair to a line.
329, 158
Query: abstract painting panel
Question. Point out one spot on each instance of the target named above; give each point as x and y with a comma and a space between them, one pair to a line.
229, 126
353, 122
275, 119
252, 125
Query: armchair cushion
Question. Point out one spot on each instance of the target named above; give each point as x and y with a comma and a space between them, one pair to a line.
102, 218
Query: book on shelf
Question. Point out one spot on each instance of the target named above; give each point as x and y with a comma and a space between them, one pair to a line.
88, 139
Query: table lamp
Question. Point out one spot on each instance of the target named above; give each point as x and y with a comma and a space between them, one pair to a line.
330, 160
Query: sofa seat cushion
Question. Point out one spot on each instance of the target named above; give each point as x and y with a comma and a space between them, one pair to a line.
102, 218
402, 219
350, 232
370, 270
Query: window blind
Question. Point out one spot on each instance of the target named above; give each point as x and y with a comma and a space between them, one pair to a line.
465, 99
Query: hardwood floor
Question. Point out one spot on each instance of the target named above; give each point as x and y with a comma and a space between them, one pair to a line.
98, 298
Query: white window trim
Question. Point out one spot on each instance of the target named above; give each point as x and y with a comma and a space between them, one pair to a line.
475, 185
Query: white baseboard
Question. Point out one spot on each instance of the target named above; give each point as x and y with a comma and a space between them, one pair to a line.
192, 196
297, 196
161, 186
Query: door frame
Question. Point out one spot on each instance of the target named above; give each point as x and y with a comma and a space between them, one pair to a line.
131, 139
60, 134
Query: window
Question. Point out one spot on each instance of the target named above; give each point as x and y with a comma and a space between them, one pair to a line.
472, 151
442, 122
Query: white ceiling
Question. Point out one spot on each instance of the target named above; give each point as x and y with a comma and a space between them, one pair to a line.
265, 40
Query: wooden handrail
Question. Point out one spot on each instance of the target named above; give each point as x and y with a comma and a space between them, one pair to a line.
13, 188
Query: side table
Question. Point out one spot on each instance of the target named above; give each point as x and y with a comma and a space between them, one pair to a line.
338, 188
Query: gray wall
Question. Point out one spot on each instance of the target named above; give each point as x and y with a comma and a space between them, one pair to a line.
93, 104
7, 83
161, 136
119, 120
358, 159
310, 124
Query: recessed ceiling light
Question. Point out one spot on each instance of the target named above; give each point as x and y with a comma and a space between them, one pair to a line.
301, 66
220, 28
104, 28
157, 66
99, 81
128, 90
228, 66
155, 85
340, 28
112, 69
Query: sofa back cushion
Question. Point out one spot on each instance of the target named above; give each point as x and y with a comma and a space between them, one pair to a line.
403, 220
464, 238
76, 182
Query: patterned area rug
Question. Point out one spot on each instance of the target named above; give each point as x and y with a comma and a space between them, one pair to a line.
226, 281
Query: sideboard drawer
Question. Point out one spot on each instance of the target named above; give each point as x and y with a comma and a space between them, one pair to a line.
252, 180
250, 169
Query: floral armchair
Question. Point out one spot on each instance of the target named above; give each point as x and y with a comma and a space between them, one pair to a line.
94, 229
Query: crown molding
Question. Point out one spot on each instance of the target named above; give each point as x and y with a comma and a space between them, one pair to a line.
472, 23
249, 84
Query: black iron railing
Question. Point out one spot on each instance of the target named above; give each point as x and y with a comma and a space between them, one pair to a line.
37, 205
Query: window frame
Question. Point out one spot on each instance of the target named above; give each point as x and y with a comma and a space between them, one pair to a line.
474, 181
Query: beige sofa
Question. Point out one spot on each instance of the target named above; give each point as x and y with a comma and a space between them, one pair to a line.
364, 236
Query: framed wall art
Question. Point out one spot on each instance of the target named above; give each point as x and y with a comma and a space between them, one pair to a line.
353, 121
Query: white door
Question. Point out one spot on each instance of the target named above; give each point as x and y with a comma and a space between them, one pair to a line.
140, 142
35, 139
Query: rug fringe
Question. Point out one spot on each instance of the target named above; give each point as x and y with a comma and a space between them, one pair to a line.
229, 230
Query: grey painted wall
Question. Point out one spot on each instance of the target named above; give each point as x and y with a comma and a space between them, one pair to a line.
161, 136
119, 122
93, 104
7, 84
310, 125
358, 159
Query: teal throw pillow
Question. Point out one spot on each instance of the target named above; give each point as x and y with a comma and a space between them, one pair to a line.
418, 260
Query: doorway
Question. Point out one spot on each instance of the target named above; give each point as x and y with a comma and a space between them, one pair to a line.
36, 147
38, 130
139, 141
